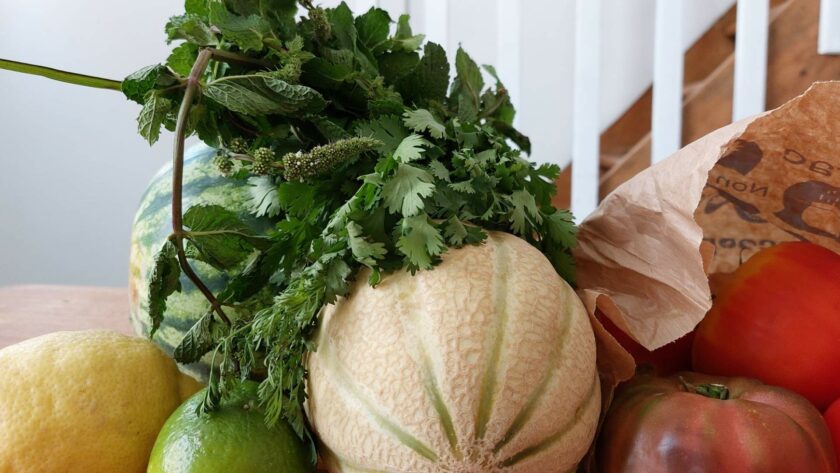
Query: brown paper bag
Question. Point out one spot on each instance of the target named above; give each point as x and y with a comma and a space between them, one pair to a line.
754, 183
646, 254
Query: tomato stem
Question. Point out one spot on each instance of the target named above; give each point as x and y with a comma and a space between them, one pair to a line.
710, 390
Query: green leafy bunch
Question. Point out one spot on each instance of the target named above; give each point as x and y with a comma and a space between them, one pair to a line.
357, 147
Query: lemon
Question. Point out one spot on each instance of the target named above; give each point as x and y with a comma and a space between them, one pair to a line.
86, 402
231, 439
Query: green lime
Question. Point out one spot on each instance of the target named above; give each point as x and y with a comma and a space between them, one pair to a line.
232, 439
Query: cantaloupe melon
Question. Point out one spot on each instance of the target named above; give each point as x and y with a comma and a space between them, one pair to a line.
484, 364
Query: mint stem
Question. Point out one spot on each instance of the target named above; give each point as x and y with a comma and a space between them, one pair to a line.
193, 83
62, 76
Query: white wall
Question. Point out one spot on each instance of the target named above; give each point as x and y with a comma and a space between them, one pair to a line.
72, 167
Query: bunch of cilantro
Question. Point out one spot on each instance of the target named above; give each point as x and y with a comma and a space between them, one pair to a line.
359, 148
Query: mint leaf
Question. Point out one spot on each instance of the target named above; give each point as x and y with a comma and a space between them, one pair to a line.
139, 83
469, 75
203, 121
191, 27
405, 190
198, 340
182, 58
410, 149
395, 65
247, 32
420, 242
343, 27
219, 236
152, 116
404, 40
164, 280
373, 28
197, 7
429, 80
261, 94
422, 120
281, 14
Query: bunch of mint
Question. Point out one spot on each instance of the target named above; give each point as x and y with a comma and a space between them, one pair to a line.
360, 149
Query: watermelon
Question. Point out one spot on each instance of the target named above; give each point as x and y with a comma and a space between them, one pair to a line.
203, 185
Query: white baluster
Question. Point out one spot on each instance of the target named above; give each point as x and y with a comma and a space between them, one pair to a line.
437, 22
586, 127
829, 27
508, 46
395, 8
750, 58
361, 6
666, 126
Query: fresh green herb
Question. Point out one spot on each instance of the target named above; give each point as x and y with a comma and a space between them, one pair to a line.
359, 151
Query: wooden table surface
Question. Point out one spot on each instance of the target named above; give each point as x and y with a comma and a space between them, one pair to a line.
29, 311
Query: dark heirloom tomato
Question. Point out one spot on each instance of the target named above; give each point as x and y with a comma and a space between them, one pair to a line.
694, 423
777, 319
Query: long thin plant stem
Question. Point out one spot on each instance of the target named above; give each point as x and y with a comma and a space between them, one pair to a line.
59, 75
193, 83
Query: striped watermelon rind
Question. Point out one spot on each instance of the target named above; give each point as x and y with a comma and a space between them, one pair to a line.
203, 185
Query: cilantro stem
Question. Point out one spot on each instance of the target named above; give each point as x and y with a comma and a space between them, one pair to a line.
193, 83
61, 76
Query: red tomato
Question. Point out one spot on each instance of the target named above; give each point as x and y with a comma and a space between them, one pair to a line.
699, 423
777, 319
832, 418
665, 361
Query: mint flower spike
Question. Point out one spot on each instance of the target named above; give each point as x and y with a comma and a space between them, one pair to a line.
263, 162
323, 159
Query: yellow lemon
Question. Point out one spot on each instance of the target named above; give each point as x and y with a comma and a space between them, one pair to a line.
89, 401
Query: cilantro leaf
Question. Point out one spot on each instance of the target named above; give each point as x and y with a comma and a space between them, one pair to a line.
421, 120
420, 242
439, 170
364, 251
387, 129
457, 234
560, 226
405, 190
524, 212
164, 280
410, 148
265, 201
